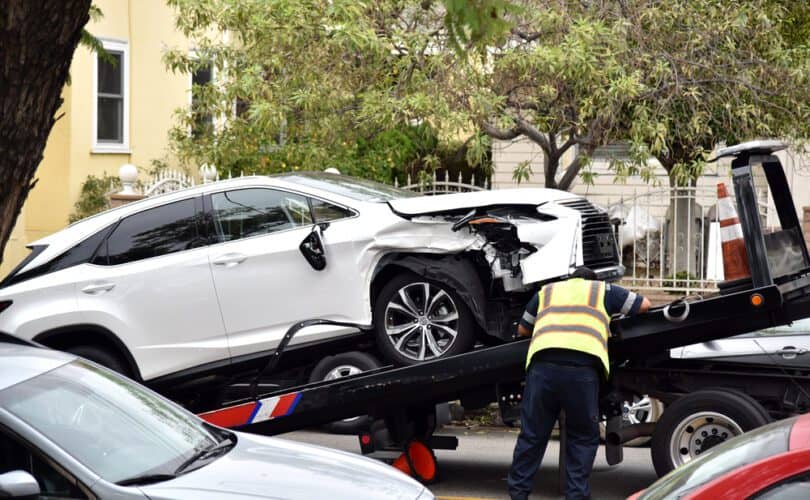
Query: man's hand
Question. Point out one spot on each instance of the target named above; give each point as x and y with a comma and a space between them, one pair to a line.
645, 305
523, 331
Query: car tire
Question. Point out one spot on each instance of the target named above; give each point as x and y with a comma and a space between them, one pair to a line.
696, 422
339, 366
421, 332
641, 410
102, 356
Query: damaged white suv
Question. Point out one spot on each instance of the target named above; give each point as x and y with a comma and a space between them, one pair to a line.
210, 276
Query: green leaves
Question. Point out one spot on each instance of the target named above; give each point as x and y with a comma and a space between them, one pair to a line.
312, 84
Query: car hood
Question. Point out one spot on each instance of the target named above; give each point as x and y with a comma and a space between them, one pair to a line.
424, 205
262, 467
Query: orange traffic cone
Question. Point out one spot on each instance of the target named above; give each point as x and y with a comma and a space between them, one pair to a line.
418, 461
735, 257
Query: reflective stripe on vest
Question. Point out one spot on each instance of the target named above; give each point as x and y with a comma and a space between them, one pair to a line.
572, 315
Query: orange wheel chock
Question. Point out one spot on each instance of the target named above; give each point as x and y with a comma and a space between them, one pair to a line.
418, 461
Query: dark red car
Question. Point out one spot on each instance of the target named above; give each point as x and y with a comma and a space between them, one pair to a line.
770, 462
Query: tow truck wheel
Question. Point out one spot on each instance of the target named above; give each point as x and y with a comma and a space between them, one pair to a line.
696, 422
339, 366
417, 319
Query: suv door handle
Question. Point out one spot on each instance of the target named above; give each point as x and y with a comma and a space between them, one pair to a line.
98, 288
790, 352
230, 259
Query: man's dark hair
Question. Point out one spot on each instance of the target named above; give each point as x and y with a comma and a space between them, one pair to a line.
585, 273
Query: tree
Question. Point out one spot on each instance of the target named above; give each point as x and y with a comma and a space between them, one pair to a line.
713, 72
673, 77
560, 79
37, 41
309, 85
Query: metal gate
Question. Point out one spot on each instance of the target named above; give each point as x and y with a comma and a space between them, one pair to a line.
669, 238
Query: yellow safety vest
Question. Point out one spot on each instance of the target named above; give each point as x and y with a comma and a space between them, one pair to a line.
571, 315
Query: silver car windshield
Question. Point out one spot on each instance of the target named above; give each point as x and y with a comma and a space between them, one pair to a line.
111, 425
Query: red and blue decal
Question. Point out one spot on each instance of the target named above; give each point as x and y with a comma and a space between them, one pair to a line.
253, 412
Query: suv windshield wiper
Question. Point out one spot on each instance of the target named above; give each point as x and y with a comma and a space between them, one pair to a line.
228, 442
145, 479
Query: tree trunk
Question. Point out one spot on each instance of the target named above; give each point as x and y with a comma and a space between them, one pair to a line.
37, 41
550, 166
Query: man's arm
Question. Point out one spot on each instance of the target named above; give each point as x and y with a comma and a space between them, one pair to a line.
619, 300
526, 324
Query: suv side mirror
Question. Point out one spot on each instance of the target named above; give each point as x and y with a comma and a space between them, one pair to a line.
18, 484
312, 249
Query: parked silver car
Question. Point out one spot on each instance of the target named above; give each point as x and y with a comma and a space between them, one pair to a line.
72, 429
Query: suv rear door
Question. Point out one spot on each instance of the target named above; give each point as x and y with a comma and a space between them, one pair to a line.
151, 285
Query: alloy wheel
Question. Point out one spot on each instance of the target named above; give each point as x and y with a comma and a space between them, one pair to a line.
421, 321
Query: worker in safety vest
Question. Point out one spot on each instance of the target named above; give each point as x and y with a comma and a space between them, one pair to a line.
569, 324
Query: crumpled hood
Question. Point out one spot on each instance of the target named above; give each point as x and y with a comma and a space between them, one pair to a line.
262, 467
423, 205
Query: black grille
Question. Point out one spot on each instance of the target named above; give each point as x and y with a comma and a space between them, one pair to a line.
598, 241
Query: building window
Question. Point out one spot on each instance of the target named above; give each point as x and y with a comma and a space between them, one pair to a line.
614, 151
203, 121
111, 117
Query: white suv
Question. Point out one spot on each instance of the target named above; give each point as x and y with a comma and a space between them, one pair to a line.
205, 278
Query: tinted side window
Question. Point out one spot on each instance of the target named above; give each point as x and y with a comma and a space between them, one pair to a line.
79, 254
158, 231
323, 211
795, 488
14, 456
249, 212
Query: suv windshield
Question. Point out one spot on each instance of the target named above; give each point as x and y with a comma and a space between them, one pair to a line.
116, 428
750, 447
350, 187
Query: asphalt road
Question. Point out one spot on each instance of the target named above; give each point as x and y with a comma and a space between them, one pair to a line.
477, 470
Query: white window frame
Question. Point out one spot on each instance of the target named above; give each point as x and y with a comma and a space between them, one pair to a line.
218, 121
121, 46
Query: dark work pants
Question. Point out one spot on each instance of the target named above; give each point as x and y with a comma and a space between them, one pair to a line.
549, 389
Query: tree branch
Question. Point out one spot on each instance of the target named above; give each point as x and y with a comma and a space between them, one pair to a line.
496, 133
533, 134
572, 171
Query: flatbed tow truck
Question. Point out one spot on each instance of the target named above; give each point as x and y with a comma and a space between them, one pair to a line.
704, 406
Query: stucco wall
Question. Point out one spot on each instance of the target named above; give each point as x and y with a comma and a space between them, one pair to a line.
154, 94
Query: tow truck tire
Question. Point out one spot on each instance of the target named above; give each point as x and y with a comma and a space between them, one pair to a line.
696, 422
101, 356
342, 365
391, 313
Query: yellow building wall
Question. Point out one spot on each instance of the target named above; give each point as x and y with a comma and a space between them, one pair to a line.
154, 94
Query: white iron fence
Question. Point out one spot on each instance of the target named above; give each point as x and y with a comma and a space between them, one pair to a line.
168, 180
435, 184
669, 239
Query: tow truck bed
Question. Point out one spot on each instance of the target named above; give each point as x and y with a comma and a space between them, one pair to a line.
404, 397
